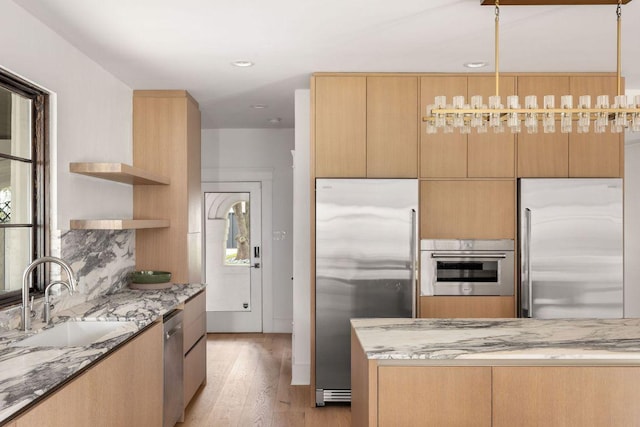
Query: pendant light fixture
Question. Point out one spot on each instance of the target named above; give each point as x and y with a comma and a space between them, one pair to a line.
622, 114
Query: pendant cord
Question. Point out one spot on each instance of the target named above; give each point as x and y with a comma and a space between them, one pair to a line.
619, 65
497, 47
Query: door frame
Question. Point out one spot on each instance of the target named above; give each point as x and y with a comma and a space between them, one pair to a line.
211, 179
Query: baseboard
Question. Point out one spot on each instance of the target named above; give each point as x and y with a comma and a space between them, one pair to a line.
282, 326
300, 374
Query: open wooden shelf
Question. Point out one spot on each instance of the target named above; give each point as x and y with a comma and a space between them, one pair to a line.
118, 172
117, 224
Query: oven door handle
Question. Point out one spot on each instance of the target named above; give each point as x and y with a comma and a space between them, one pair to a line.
459, 255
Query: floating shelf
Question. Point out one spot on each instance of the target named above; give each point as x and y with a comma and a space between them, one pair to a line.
117, 224
119, 172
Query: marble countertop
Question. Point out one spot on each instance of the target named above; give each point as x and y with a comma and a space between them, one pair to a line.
28, 373
501, 341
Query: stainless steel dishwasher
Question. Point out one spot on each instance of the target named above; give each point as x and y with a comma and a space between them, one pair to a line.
173, 358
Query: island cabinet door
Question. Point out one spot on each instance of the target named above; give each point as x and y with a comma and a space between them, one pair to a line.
434, 396
569, 396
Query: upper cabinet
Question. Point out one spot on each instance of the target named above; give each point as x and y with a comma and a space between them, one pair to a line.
543, 154
366, 127
442, 155
490, 154
456, 155
392, 127
569, 154
592, 154
467, 209
341, 127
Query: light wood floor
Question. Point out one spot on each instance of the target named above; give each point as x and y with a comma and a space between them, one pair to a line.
249, 384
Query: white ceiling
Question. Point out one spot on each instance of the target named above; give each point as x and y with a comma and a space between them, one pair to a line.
189, 44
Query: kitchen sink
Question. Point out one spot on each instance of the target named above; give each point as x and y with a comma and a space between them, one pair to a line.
76, 334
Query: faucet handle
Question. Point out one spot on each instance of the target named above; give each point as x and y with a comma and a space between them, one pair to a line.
31, 310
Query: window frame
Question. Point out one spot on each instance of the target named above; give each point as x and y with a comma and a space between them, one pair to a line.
39, 225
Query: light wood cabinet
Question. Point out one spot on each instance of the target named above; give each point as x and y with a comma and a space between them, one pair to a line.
491, 155
541, 154
394, 393
467, 209
467, 307
194, 345
124, 389
572, 155
434, 396
166, 141
592, 154
392, 127
574, 396
442, 155
340, 126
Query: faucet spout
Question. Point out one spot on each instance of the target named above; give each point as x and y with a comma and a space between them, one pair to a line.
26, 276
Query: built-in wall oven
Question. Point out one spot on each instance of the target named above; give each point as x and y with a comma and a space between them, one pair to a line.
466, 267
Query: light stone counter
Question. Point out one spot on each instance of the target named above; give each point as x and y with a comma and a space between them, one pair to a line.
29, 373
580, 341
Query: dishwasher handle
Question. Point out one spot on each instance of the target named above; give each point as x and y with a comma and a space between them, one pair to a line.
172, 332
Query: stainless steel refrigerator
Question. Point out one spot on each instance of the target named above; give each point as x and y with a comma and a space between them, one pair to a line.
366, 251
571, 248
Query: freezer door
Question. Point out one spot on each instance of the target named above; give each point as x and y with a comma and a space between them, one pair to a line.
365, 251
572, 248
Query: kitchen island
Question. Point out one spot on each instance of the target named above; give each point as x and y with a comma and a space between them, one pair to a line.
495, 372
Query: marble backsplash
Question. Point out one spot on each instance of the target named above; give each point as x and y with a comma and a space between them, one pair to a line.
101, 260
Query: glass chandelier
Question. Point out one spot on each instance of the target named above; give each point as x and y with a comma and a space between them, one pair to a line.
623, 114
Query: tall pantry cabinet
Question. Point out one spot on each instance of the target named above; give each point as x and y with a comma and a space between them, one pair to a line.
166, 140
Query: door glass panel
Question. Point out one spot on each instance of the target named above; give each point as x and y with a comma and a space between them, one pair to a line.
15, 124
238, 249
15, 254
15, 192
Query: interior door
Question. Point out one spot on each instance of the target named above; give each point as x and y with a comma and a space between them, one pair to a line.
233, 270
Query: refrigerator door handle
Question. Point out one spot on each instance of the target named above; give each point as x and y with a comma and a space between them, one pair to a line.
414, 257
527, 291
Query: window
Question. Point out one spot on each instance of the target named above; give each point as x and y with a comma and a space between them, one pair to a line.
238, 235
23, 177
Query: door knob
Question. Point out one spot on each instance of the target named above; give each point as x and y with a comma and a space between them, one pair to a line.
256, 265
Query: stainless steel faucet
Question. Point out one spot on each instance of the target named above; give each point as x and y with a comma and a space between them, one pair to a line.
26, 311
46, 313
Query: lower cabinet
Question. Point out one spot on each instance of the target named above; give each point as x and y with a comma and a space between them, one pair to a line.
572, 396
124, 389
497, 396
434, 396
469, 307
194, 346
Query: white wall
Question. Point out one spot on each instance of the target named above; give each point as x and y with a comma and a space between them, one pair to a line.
301, 345
244, 151
90, 115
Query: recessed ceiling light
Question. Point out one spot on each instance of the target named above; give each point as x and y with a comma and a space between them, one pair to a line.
475, 64
259, 106
242, 64
275, 120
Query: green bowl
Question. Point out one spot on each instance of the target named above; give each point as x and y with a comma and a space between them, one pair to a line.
150, 276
